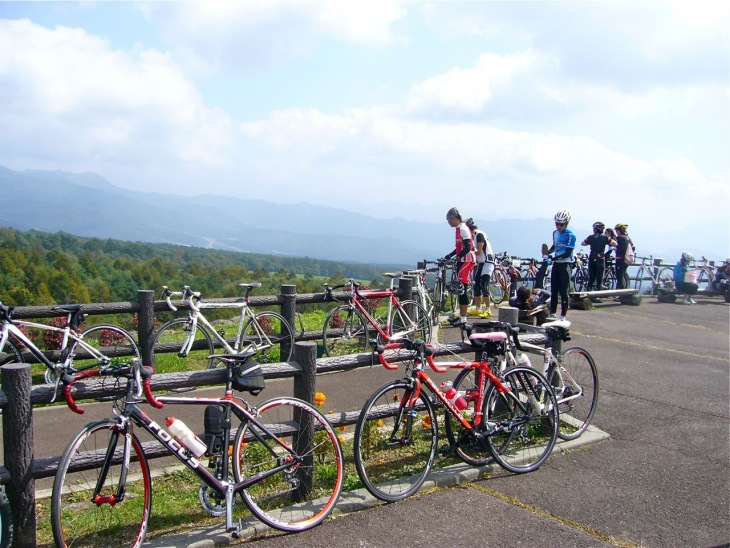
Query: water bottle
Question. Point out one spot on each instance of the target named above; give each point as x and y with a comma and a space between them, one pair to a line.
185, 436
456, 398
523, 359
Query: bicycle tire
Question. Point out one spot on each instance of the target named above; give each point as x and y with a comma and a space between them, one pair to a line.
412, 314
345, 331
529, 280
169, 341
496, 286
470, 450
665, 278
391, 464
273, 337
11, 354
437, 299
76, 519
575, 413
296, 498
521, 437
6, 520
111, 341
639, 278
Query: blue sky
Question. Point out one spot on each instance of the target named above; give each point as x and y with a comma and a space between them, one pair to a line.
617, 111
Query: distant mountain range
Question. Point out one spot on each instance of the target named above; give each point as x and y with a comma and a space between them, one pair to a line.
88, 205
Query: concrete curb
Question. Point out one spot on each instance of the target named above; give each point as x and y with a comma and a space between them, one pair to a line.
361, 499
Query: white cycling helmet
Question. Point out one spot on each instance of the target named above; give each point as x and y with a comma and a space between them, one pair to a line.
687, 256
562, 216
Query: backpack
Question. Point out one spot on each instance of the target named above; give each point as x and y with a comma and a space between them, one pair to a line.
629, 256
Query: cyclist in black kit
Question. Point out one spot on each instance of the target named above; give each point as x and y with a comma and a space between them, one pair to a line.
597, 256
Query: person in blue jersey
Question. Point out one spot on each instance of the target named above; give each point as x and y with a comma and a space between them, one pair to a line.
684, 282
465, 259
561, 257
721, 281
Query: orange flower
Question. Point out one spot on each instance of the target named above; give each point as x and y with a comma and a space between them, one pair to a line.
342, 428
426, 421
319, 399
379, 423
341, 439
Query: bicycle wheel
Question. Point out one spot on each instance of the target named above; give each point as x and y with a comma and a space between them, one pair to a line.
172, 337
523, 423
111, 341
271, 334
576, 389
639, 278
345, 332
10, 354
438, 299
412, 318
395, 447
302, 495
6, 521
86, 509
496, 286
468, 449
529, 280
665, 278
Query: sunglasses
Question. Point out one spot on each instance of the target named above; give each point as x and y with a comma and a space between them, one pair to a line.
559, 224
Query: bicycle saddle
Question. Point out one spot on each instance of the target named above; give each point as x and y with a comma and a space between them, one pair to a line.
252, 285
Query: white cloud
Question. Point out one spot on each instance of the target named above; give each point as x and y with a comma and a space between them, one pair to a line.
70, 99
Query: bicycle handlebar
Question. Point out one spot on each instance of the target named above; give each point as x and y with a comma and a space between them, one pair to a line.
423, 350
140, 375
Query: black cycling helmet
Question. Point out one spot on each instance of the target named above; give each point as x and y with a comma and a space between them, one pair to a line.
599, 227
471, 224
453, 212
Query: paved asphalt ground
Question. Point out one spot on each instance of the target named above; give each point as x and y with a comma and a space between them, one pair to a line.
659, 477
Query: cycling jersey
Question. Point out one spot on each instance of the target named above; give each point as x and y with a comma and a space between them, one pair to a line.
563, 245
464, 248
598, 243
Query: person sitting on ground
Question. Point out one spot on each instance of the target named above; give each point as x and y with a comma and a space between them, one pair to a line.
683, 278
722, 280
525, 299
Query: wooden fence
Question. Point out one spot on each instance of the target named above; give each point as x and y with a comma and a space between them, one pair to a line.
19, 396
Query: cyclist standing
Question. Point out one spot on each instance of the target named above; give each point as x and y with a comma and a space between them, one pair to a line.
624, 241
597, 256
484, 269
561, 256
465, 259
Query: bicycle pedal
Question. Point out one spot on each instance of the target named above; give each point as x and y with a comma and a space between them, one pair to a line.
447, 450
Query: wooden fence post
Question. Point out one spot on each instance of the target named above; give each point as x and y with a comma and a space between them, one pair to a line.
146, 324
18, 451
289, 311
305, 353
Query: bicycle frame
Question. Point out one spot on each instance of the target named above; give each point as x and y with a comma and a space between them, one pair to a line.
419, 377
196, 316
132, 412
393, 301
12, 329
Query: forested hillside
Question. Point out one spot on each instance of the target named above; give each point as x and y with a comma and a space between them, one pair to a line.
38, 268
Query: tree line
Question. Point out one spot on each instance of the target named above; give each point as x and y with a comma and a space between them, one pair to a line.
40, 268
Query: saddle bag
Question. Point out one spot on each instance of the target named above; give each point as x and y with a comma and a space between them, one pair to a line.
248, 377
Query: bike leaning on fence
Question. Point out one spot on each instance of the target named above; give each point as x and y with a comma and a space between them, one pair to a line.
349, 328
513, 419
98, 345
195, 338
283, 459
